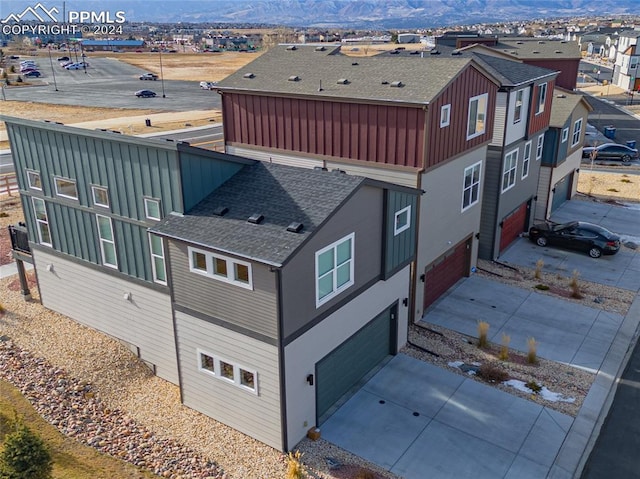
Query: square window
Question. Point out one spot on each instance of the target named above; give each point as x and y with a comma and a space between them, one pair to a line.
100, 196
206, 362
35, 182
198, 261
247, 379
402, 220
226, 370
445, 115
152, 209
219, 267
66, 188
241, 273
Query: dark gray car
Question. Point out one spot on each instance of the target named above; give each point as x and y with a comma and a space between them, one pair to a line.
610, 151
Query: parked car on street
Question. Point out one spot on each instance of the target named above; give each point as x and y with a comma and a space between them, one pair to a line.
66, 63
611, 151
208, 85
77, 66
24, 71
145, 94
577, 235
148, 76
33, 74
63, 59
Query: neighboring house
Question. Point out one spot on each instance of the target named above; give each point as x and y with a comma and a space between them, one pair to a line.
562, 153
289, 286
598, 42
626, 72
424, 124
266, 292
89, 198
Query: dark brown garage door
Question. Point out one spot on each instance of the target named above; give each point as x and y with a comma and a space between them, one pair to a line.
446, 271
512, 225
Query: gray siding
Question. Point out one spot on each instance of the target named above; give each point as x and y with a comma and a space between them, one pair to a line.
540, 212
400, 248
144, 321
490, 203
361, 215
255, 310
256, 415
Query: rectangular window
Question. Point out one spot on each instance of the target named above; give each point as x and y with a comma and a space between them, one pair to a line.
35, 182
152, 209
66, 188
157, 259
334, 269
565, 134
517, 115
42, 221
100, 196
228, 371
402, 220
477, 115
526, 160
107, 242
577, 131
539, 146
220, 267
445, 115
542, 98
471, 186
509, 172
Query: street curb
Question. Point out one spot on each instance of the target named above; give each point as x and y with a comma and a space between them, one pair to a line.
612, 103
584, 431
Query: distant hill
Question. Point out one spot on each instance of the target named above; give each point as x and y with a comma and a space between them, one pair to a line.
357, 14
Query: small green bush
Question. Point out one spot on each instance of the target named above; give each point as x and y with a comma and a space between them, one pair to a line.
492, 373
534, 386
24, 456
541, 287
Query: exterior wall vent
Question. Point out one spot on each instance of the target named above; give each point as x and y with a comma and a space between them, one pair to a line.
221, 211
343, 81
396, 84
294, 78
256, 218
295, 227
248, 75
535, 51
292, 48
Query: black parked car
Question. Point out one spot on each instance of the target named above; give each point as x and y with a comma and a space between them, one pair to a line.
145, 94
611, 151
592, 239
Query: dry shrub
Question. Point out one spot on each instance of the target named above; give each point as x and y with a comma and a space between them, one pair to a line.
492, 373
504, 348
575, 286
364, 474
532, 353
483, 330
538, 271
295, 468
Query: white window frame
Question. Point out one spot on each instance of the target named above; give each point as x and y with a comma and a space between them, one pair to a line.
231, 276
539, 147
397, 230
68, 180
542, 98
41, 223
107, 241
96, 202
481, 99
445, 115
565, 134
157, 256
237, 371
336, 290
509, 170
519, 104
31, 176
473, 187
148, 201
526, 160
577, 131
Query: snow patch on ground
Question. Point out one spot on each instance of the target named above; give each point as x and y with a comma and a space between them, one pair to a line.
544, 392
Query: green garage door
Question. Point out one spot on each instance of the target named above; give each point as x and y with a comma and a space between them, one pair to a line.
343, 367
561, 191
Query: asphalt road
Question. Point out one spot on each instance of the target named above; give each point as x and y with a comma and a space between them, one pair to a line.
109, 83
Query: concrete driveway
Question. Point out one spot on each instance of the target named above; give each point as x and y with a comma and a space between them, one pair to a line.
621, 270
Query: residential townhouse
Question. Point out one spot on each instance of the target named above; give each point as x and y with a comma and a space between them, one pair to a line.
562, 154
250, 285
626, 72
424, 124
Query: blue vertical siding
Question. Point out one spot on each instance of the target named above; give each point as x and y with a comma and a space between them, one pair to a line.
399, 249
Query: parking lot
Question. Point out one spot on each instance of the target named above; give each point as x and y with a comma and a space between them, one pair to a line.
109, 83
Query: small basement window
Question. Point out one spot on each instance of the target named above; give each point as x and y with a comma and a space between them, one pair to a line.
228, 371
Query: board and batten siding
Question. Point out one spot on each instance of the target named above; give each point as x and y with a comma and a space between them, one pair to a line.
302, 354
539, 122
362, 215
399, 248
254, 310
447, 142
144, 321
386, 134
257, 415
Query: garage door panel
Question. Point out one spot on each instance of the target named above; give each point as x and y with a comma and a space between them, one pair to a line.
561, 192
512, 225
445, 274
341, 369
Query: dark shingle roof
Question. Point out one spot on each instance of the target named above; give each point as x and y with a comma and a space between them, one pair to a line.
367, 78
282, 194
538, 48
563, 105
512, 73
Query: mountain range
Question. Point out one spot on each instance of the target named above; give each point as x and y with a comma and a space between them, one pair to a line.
356, 14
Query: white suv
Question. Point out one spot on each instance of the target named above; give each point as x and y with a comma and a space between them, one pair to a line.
208, 85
